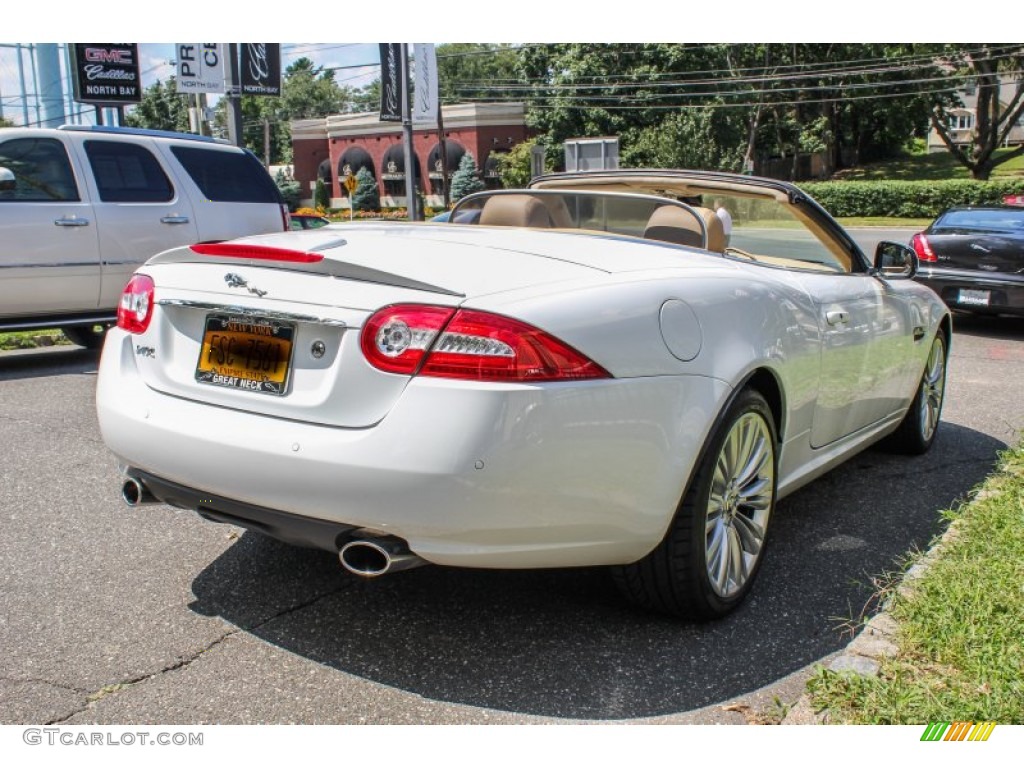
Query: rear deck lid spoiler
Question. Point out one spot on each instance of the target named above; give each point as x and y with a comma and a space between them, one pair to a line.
332, 267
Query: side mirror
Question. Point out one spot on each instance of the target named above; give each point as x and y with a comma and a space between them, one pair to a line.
7, 180
895, 261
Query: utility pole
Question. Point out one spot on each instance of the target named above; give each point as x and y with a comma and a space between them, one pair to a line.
410, 168
445, 191
266, 143
234, 97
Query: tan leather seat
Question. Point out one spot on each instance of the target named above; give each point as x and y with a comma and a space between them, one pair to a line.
671, 224
716, 230
515, 211
558, 211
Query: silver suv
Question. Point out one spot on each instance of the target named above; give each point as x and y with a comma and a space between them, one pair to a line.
82, 207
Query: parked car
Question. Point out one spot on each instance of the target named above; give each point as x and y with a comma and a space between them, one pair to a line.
308, 221
516, 394
82, 207
974, 259
465, 217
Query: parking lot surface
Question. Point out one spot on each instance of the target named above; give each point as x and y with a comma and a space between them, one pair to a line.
151, 615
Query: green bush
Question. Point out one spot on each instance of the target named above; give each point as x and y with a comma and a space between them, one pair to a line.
907, 199
290, 190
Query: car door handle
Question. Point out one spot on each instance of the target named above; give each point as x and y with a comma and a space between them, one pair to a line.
837, 317
73, 221
175, 219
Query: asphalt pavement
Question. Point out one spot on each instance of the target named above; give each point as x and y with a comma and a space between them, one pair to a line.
151, 615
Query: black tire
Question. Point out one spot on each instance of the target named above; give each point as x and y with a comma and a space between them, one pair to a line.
88, 336
917, 431
682, 576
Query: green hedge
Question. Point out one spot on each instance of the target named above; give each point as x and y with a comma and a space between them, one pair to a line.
907, 199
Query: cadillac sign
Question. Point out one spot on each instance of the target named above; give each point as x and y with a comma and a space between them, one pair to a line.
261, 69
106, 74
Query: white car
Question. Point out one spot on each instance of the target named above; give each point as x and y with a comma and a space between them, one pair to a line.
81, 207
587, 375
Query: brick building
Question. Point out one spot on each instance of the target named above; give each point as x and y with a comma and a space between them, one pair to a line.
328, 148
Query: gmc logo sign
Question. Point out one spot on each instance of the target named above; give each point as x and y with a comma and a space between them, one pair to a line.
109, 55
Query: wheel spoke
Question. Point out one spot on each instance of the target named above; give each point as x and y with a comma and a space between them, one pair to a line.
737, 562
750, 534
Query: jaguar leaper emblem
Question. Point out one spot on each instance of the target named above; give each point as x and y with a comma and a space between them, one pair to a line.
237, 281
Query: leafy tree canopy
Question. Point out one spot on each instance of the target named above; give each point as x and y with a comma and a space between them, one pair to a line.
162, 108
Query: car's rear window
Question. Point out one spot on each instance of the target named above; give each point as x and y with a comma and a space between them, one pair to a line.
228, 177
992, 220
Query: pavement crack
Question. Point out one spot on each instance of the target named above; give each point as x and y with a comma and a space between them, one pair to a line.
295, 608
96, 696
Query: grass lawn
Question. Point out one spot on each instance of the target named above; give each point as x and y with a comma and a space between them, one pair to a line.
961, 637
31, 339
935, 167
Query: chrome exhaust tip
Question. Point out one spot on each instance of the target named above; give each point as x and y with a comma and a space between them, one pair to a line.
375, 557
134, 493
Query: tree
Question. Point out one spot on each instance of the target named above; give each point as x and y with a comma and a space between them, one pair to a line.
515, 167
5, 123
849, 101
291, 190
707, 139
985, 66
162, 108
366, 197
466, 180
475, 71
307, 91
367, 98
321, 196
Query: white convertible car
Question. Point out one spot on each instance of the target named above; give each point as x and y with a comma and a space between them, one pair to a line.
591, 371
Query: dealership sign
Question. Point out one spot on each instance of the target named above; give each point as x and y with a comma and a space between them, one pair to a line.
261, 69
106, 74
200, 67
392, 89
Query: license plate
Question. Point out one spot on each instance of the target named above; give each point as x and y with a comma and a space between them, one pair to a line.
974, 298
249, 353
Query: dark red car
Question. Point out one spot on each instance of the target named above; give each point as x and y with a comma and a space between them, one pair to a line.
974, 259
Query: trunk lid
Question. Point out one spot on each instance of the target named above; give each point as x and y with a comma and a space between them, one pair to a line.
987, 240
282, 339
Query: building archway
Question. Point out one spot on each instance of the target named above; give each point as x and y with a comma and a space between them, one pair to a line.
353, 160
393, 171
455, 152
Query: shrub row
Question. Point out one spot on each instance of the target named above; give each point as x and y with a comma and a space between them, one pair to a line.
907, 199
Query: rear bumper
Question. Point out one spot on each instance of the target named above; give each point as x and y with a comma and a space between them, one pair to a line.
294, 529
1005, 295
502, 476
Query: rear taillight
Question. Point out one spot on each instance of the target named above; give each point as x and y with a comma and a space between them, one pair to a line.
136, 307
923, 248
258, 252
467, 344
397, 338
